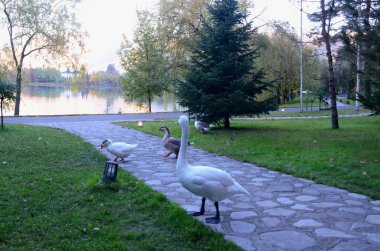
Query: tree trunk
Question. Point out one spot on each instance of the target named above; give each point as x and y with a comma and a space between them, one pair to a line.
227, 121
18, 91
278, 95
149, 104
331, 79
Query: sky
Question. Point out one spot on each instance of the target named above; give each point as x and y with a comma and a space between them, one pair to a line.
107, 21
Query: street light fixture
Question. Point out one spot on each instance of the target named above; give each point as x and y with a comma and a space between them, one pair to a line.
110, 172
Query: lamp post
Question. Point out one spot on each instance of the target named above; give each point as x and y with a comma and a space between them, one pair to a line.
301, 69
110, 172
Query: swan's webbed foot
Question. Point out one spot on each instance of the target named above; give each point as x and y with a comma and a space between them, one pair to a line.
216, 219
213, 220
202, 211
197, 213
166, 155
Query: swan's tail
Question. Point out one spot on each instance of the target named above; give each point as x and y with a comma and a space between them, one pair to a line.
131, 147
239, 189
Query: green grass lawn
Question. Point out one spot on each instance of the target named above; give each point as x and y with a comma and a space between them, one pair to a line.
347, 101
50, 200
316, 112
348, 158
296, 103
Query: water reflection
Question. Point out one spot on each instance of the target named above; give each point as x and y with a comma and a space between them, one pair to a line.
60, 99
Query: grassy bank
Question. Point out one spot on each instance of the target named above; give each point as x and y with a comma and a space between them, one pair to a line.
50, 199
347, 158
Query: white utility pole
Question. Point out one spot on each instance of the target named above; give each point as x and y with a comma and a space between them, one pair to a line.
301, 72
358, 52
357, 76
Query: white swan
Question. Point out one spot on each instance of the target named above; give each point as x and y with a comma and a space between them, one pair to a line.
119, 149
208, 182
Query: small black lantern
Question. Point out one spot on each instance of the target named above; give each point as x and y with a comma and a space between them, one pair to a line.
110, 172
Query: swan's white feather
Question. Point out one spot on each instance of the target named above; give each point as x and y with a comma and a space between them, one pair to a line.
121, 149
210, 182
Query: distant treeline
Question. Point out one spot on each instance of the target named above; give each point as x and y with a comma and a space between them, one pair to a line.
43, 75
53, 75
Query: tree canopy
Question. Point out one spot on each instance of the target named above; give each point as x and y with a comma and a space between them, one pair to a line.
279, 55
39, 26
361, 36
144, 62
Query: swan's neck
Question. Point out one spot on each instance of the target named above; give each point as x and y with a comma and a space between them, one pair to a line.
196, 118
166, 135
182, 156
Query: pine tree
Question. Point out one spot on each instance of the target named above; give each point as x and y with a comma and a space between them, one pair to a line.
7, 92
221, 81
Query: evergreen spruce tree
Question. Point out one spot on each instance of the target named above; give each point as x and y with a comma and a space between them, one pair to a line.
221, 81
7, 92
371, 53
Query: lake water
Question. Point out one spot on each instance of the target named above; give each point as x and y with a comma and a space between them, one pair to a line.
60, 99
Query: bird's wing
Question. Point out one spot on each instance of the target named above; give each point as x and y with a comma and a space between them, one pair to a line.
212, 174
208, 186
123, 147
203, 124
175, 141
172, 144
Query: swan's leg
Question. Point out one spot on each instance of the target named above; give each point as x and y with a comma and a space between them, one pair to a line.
216, 219
115, 159
202, 211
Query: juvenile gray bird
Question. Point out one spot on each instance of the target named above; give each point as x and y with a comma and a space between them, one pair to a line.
201, 126
170, 143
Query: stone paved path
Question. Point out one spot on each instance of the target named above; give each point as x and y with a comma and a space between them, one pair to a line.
282, 213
